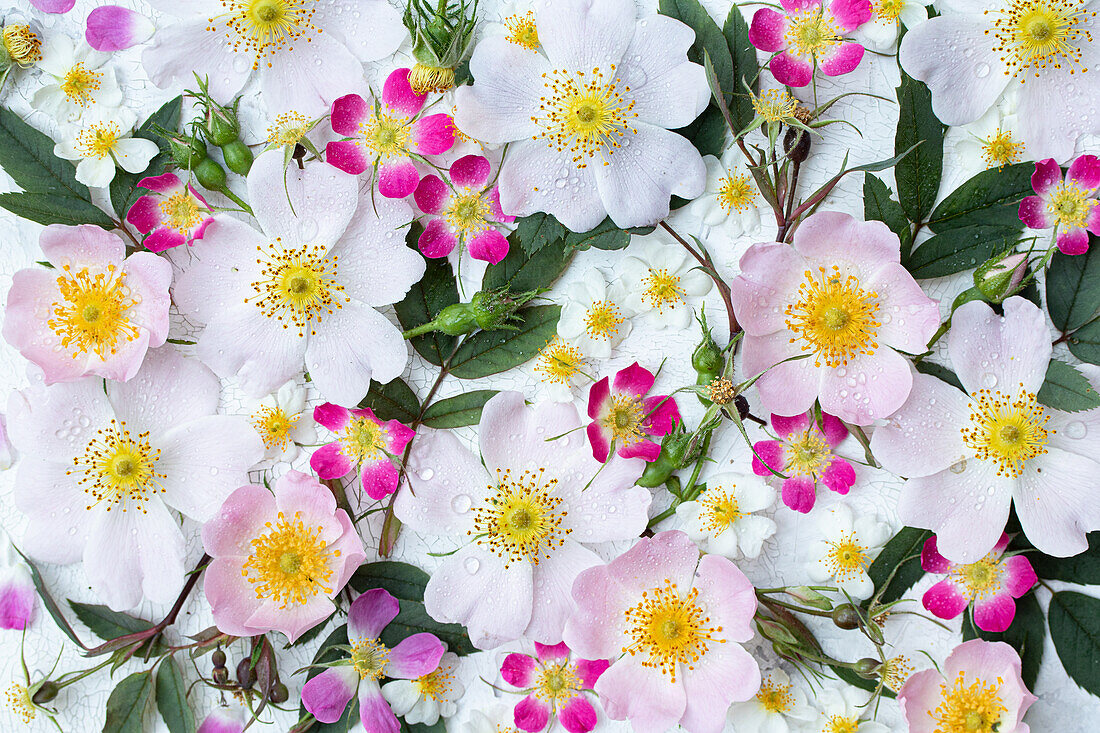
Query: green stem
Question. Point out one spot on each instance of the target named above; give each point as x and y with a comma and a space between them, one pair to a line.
236, 199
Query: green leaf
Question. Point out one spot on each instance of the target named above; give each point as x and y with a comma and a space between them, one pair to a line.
879, 206
605, 236
538, 230
124, 187
708, 134
847, 675
108, 624
27, 156
519, 271
172, 698
917, 174
1027, 635
940, 372
438, 727
1073, 287
960, 249
413, 619
491, 352
1074, 620
53, 208
1083, 569
458, 411
745, 67
1067, 389
435, 291
903, 553
1085, 343
403, 581
393, 400
127, 703
990, 198
47, 600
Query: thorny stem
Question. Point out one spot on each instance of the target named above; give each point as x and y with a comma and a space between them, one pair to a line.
708, 267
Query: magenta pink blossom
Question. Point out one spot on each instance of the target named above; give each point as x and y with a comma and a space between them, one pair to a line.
809, 34
990, 585
1068, 205
654, 682
624, 419
388, 136
18, 599
53, 6
173, 214
114, 28
96, 311
223, 720
980, 681
463, 212
278, 559
328, 694
555, 687
363, 442
804, 452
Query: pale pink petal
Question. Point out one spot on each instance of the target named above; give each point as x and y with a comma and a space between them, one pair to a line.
257, 350
1014, 349
870, 387
769, 279
374, 711
553, 580
398, 94
231, 596
311, 205
414, 656
596, 630
53, 6
445, 481
220, 271
1051, 114
726, 673
909, 318
57, 529
375, 37
924, 437
642, 695
241, 518
788, 388
223, 720
1056, 508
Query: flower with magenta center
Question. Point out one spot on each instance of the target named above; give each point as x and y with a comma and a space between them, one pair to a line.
463, 212
556, 687
363, 443
810, 35
1068, 205
624, 419
805, 453
173, 214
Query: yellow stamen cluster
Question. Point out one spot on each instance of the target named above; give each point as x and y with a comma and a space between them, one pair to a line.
888, 9
521, 521
20, 702
79, 84
265, 27
662, 290
846, 558
425, 79
288, 129
467, 214
979, 579
895, 671
775, 105
1070, 205
22, 44
98, 140
1007, 431
182, 212
118, 468
841, 724
834, 317
670, 629
811, 32
721, 391
557, 684
289, 563
274, 425
387, 136
369, 657
625, 419
436, 685
585, 114
774, 696
364, 440
973, 708
735, 192
558, 362
297, 286
1032, 35
522, 30
807, 453
720, 510
602, 320
999, 149
93, 313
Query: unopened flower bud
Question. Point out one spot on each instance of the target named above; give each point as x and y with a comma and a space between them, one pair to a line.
846, 617
218, 658
246, 675
867, 667
221, 127
186, 152
810, 597
46, 692
489, 310
777, 632
796, 144
1000, 277
442, 37
673, 447
279, 693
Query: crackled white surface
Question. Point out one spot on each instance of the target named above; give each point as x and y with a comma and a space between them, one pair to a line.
1061, 706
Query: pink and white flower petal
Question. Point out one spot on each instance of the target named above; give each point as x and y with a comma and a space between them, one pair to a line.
839, 476
293, 620
329, 462
414, 656
552, 582
642, 695
945, 599
650, 562
513, 436
1021, 338
767, 453
18, 606
531, 714
300, 494
647, 450
186, 391
931, 561
376, 267
578, 34
307, 77
444, 478
1047, 176
471, 171
1085, 172
662, 414
794, 71
1073, 241
924, 437
223, 720
589, 670
728, 597
866, 401
398, 94
374, 712
432, 135
240, 518
311, 205
397, 178
799, 493
185, 47
527, 186
725, 674
35, 414
850, 14
379, 478
53, 6
596, 630
488, 246
518, 670
770, 276
432, 193
908, 317
1018, 577
499, 107
231, 597
327, 695
219, 272
333, 417
243, 342
369, 41
348, 156
666, 89
991, 661
842, 59
437, 240
1056, 508
348, 113
766, 32
611, 492
577, 715
350, 347
995, 614
833, 238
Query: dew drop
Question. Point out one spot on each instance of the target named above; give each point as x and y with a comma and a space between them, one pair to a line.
472, 565
461, 503
1076, 430
426, 474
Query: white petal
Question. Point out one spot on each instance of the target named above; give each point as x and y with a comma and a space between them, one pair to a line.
185, 390
508, 84
583, 35
375, 265
257, 350
352, 346
134, 153
322, 200
309, 77
667, 90
370, 29
96, 172
1000, 353
536, 177
178, 49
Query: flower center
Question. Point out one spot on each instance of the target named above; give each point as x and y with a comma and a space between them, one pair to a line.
369, 657
20, 702
363, 440
1010, 432
841, 724
558, 362
720, 510
436, 685
289, 562
888, 9
811, 32
775, 105
895, 671
467, 214
297, 285
584, 114
522, 30
1031, 35
22, 44
274, 424
265, 27
807, 453
736, 192
980, 579
834, 317
425, 78
602, 320
98, 140
92, 315
557, 684
845, 557
774, 696
181, 211
118, 467
999, 149
662, 290
79, 84
521, 521
973, 708
386, 135
1070, 206
625, 419
669, 629
289, 129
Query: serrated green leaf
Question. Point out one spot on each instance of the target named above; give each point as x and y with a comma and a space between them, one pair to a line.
458, 411
27, 156
492, 352
519, 271
393, 400
47, 600
956, 250
413, 619
605, 236
1027, 635
878, 205
108, 624
918, 174
127, 703
172, 698
940, 372
1074, 620
1073, 287
745, 67
902, 553
990, 198
52, 208
124, 187
403, 581
1083, 568
435, 291
538, 230
1067, 389
1085, 343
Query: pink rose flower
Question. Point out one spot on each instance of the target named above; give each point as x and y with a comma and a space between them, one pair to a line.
327, 695
388, 136
625, 419
555, 687
96, 312
804, 452
840, 295
990, 585
980, 689
278, 559
809, 34
464, 212
18, 604
363, 442
1068, 205
685, 673
173, 214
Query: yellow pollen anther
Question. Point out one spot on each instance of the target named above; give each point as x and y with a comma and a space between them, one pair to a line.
425, 79
973, 708
720, 510
1007, 431
841, 724
521, 519
522, 30
807, 454
834, 317
736, 193
182, 212
364, 440
894, 671
625, 419
20, 702
775, 105
670, 629
888, 9
602, 320
721, 391
265, 27
585, 114
118, 468
811, 32
436, 685
288, 129
98, 140
1031, 35
93, 313
385, 135
79, 84
297, 286
558, 362
999, 149
846, 557
274, 425
774, 696
369, 657
1070, 206
980, 579
467, 214
289, 563
557, 684
662, 290
22, 44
